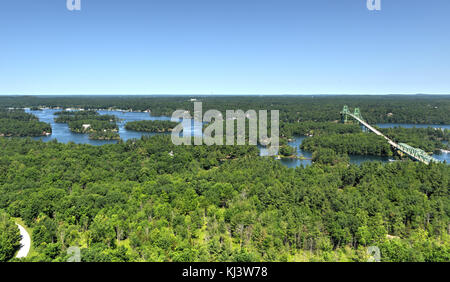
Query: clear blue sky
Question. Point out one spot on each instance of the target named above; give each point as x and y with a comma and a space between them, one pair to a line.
224, 47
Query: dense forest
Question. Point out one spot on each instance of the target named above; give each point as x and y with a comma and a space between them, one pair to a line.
310, 128
104, 135
9, 237
151, 125
328, 156
353, 144
148, 200
422, 109
18, 123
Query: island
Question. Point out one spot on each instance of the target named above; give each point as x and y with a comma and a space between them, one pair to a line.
99, 127
158, 126
18, 123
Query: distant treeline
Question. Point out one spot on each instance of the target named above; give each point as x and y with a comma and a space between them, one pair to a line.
418, 109
151, 125
17, 123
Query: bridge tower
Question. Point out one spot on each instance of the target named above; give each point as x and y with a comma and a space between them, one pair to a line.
344, 114
357, 113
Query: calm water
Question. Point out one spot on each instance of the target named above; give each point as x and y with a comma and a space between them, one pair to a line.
62, 133
356, 159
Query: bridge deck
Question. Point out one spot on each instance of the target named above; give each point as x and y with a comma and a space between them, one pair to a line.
392, 143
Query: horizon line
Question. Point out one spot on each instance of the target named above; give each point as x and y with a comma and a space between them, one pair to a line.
221, 94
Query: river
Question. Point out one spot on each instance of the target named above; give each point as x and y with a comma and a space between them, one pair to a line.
62, 133
356, 159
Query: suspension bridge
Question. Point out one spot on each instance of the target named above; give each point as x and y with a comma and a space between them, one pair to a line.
414, 153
